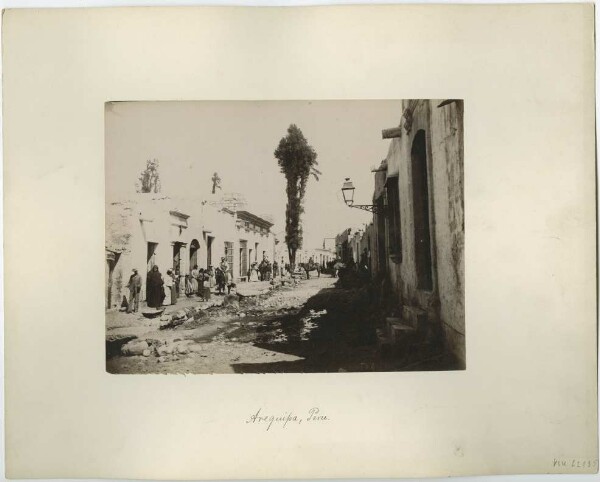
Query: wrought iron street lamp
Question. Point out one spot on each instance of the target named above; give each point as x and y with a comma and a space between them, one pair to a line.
348, 193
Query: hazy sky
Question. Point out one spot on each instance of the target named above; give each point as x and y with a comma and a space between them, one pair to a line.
192, 140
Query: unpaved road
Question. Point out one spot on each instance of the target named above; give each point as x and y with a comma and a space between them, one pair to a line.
312, 327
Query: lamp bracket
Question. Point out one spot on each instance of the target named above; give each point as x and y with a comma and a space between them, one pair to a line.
366, 207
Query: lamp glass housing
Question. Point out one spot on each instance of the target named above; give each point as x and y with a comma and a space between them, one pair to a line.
348, 192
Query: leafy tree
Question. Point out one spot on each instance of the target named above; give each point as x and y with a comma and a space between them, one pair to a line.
297, 161
149, 180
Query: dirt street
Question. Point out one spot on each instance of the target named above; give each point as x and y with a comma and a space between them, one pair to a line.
310, 327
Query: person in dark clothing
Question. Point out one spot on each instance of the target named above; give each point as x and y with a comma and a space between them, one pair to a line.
203, 291
220, 280
135, 286
155, 293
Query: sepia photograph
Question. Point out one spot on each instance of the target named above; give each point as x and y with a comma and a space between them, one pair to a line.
284, 236
333, 195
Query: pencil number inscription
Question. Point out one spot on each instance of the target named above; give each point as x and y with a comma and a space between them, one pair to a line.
575, 463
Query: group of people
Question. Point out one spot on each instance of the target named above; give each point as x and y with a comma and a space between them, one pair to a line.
165, 290
223, 277
199, 282
266, 271
263, 271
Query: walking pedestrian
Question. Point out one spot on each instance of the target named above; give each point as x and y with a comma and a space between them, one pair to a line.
135, 286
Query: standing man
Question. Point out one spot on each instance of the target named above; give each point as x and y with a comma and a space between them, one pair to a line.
226, 280
170, 288
135, 286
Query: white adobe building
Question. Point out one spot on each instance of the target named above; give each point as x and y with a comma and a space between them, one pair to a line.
178, 233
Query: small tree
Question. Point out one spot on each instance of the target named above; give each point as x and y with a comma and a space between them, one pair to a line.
297, 161
149, 180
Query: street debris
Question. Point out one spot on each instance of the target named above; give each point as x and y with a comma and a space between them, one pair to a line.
134, 347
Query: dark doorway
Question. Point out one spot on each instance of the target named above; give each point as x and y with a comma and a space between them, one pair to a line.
421, 212
209, 241
194, 249
177, 257
150, 260
243, 258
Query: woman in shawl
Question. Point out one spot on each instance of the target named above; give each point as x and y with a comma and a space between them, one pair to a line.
189, 289
210, 277
253, 272
194, 279
154, 284
178, 282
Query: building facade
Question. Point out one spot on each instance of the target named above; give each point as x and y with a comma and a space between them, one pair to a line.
320, 256
419, 229
343, 245
149, 230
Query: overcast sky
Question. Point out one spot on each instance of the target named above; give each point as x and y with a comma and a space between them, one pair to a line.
192, 140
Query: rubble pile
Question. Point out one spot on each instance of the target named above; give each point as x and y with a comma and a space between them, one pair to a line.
136, 347
179, 317
162, 350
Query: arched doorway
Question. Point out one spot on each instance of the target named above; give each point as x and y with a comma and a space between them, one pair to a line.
194, 250
420, 183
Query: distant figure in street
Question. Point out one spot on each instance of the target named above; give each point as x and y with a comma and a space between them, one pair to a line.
211, 277
223, 276
178, 282
203, 289
170, 288
154, 283
265, 268
189, 290
363, 268
195, 275
225, 269
253, 272
275, 269
336, 268
314, 266
135, 286
219, 280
